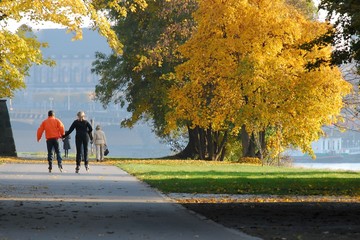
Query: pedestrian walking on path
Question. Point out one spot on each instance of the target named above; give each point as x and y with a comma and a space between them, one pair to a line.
100, 143
83, 134
54, 129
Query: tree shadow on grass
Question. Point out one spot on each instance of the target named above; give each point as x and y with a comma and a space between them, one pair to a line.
300, 220
247, 183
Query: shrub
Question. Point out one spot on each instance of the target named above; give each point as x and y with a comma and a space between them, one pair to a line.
249, 160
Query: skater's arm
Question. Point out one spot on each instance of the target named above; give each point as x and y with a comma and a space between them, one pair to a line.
89, 128
71, 129
61, 128
40, 131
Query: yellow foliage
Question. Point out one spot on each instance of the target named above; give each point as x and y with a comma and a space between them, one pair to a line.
19, 52
251, 70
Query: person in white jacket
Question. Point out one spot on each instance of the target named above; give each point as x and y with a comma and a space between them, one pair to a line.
100, 143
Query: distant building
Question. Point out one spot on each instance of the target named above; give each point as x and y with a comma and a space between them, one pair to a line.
328, 145
335, 142
67, 87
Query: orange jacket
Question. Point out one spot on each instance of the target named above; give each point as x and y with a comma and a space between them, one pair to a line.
53, 128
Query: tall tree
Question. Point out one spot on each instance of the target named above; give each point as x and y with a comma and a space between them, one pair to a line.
135, 78
251, 73
346, 17
20, 50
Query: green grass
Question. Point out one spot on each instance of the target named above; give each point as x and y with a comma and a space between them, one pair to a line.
229, 178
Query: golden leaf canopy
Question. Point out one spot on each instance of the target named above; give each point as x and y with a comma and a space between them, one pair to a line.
246, 67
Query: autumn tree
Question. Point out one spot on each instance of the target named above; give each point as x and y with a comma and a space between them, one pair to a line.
253, 73
136, 78
19, 50
346, 17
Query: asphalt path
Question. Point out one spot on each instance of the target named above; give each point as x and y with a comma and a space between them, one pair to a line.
104, 203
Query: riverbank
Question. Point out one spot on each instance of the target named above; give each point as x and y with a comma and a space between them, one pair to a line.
330, 166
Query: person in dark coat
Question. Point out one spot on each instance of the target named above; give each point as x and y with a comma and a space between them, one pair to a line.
82, 137
66, 145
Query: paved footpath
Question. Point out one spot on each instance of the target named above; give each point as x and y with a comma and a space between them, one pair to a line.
105, 203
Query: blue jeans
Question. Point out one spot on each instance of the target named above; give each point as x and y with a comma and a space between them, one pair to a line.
53, 144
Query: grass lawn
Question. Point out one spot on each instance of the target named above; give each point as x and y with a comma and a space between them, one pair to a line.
175, 176
229, 178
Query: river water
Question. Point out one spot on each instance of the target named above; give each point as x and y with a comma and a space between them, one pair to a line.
332, 166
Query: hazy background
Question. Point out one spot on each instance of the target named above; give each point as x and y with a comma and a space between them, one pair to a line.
68, 88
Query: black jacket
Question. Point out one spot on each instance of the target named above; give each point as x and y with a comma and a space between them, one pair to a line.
83, 129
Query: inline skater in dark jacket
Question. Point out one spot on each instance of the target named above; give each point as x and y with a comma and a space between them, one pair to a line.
83, 134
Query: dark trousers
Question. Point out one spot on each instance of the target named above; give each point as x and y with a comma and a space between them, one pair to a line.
81, 143
53, 144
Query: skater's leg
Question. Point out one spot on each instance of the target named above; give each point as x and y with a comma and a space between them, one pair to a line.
49, 146
78, 144
97, 151
58, 155
85, 149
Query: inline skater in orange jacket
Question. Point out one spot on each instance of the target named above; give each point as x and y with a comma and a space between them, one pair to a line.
54, 129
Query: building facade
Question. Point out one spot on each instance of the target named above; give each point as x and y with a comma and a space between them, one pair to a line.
67, 87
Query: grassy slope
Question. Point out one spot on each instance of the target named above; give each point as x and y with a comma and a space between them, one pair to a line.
214, 177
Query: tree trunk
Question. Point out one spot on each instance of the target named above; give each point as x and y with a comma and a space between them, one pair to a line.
210, 144
189, 152
245, 141
204, 144
262, 144
222, 148
219, 143
248, 143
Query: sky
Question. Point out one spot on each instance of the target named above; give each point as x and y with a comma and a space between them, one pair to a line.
46, 25
13, 25
322, 13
